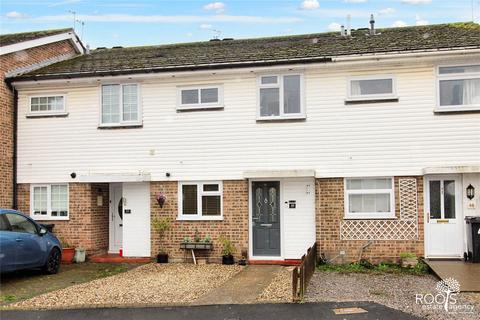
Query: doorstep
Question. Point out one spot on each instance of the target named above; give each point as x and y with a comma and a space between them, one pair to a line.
286, 262
115, 258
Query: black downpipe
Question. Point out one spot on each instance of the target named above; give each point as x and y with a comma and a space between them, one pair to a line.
15, 125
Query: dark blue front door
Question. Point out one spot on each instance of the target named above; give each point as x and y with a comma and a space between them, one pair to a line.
266, 218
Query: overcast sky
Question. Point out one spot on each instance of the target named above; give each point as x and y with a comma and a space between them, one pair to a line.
143, 22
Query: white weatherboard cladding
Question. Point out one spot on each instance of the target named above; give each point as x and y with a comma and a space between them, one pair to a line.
136, 219
299, 222
336, 140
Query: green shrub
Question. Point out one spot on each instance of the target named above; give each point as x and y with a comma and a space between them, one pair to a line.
405, 255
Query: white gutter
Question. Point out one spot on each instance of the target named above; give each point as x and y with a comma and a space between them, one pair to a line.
297, 64
43, 41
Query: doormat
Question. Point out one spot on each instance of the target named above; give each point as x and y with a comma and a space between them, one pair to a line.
353, 310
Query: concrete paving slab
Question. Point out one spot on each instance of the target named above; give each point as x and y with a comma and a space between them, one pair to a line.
244, 287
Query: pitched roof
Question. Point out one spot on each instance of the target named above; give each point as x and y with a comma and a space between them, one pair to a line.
13, 38
261, 51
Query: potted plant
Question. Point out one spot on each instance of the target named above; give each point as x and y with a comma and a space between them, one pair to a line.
161, 226
408, 259
79, 255
227, 251
68, 251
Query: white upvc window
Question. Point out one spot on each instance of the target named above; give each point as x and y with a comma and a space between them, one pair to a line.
120, 105
371, 88
458, 88
369, 198
281, 96
200, 97
53, 104
49, 201
200, 200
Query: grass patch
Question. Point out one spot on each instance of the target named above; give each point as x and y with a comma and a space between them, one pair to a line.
364, 267
8, 298
111, 271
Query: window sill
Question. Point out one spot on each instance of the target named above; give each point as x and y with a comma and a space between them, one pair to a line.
49, 218
370, 100
184, 218
456, 109
300, 117
47, 115
369, 217
200, 108
120, 126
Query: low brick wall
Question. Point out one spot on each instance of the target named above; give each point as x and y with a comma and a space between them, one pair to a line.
330, 213
234, 224
87, 226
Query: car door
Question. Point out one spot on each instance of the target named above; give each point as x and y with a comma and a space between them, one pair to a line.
7, 246
30, 247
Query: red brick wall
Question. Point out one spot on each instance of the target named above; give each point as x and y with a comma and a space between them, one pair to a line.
87, 226
330, 212
9, 62
234, 225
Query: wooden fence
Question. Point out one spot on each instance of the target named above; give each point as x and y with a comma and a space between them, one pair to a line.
303, 273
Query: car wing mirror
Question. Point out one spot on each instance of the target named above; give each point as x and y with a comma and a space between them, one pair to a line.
43, 231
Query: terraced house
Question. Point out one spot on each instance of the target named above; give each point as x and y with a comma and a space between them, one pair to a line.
366, 142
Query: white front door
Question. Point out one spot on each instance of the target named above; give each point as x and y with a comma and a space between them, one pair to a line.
116, 217
136, 219
444, 217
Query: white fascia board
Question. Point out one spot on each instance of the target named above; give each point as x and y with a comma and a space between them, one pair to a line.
257, 174
43, 41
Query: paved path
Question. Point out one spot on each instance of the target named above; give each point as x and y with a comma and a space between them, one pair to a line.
221, 312
244, 287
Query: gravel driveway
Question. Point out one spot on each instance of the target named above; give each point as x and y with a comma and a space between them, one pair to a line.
152, 284
395, 291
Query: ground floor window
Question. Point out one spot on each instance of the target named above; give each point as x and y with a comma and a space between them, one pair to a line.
200, 201
49, 201
369, 198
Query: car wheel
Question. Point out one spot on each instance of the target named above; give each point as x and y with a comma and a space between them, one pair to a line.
53, 262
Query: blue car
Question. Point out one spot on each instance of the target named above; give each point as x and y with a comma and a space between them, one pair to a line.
25, 244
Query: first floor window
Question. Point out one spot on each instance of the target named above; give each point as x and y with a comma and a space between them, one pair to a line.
200, 97
47, 104
280, 95
459, 86
200, 200
367, 198
371, 88
49, 201
120, 104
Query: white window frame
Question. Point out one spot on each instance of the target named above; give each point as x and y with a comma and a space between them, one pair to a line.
279, 85
369, 215
455, 76
48, 216
392, 95
200, 105
122, 123
39, 113
200, 193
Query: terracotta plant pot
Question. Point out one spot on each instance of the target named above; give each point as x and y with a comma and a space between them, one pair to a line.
67, 255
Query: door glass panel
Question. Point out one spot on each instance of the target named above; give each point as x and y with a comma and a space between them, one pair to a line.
449, 198
435, 202
273, 204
